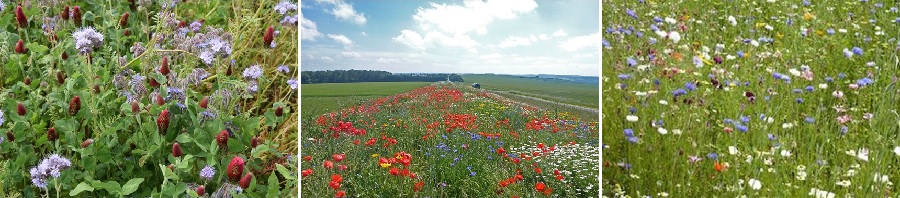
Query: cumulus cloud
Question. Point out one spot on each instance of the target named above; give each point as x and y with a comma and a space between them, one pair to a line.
560, 33
344, 11
513, 41
432, 39
351, 54
471, 16
577, 43
308, 29
343, 40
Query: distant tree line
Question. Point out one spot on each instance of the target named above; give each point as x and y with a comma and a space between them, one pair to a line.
346, 76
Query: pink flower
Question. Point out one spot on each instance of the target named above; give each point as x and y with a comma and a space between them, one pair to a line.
843, 119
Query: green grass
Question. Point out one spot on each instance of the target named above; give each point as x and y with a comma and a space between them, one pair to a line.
659, 161
327, 97
562, 91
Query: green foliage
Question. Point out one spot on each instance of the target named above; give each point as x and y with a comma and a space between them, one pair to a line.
115, 152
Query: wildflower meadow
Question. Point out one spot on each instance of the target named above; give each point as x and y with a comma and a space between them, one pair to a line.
750, 98
448, 140
145, 98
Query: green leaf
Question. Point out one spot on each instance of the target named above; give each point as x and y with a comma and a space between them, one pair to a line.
36, 48
184, 138
259, 150
81, 188
67, 125
110, 186
273, 186
284, 172
131, 186
234, 145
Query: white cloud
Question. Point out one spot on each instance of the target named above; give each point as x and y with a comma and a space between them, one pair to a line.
351, 54
435, 39
544, 37
344, 11
513, 41
471, 16
308, 29
560, 33
581, 42
325, 58
364, 34
343, 40
491, 56
387, 60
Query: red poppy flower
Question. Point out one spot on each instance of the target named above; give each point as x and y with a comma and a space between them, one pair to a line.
306, 172
556, 172
356, 142
559, 177
537, 170
338, 157
371, 142
334, 185
548, 191
394, 171
718, 167
540, 145
342, 167
504, 183
540, 186
501, 151
328, 164
307, 158
405, 161
519, 177
404, 172
340, 194
418, 186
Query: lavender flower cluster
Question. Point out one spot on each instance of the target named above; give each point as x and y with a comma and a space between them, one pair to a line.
86, 39
49, 167
284, 8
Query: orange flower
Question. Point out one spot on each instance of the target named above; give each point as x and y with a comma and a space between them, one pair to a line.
719, 167
418, 186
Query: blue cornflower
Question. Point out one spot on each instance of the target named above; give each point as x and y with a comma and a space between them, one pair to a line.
857, 51
745, 119
797, 90
806, 2
1, 118
740, 54
829, 79
810, 120
656, 81
712, 156
624, 76
631, 13
741, 128
830, 31
790, 21
657, 19
848, 53
679, 92
841, 75
639, 34
652, 41
771, 137
207, 172
844, 130
865, 81
629, 133
631, 61
472, 174
809, 88
799, 100
631, 110
606, 44
728, 121
653, 27
690, 86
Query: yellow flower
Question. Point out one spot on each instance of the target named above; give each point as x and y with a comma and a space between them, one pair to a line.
375, 155
385, 165
808, 16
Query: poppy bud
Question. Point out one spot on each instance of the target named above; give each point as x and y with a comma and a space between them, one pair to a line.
201, 190
204, 102
20, 108
159, 100
124, 20
51, 134
279, 111
20, 17
27, 80
59, 78
153, 82
164, 69
176, 150
74, 105
76, 15
235, 168
127, 32
65, 56
20, 47
65, 13
135, 106
269, 36
10, 136
163, 121
222, 139
87, 143
254, 142
245, 181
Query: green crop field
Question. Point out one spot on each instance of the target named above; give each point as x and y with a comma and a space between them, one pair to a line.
326, 97
750, 98
561, 91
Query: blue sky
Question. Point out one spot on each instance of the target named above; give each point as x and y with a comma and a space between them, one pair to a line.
472, 36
